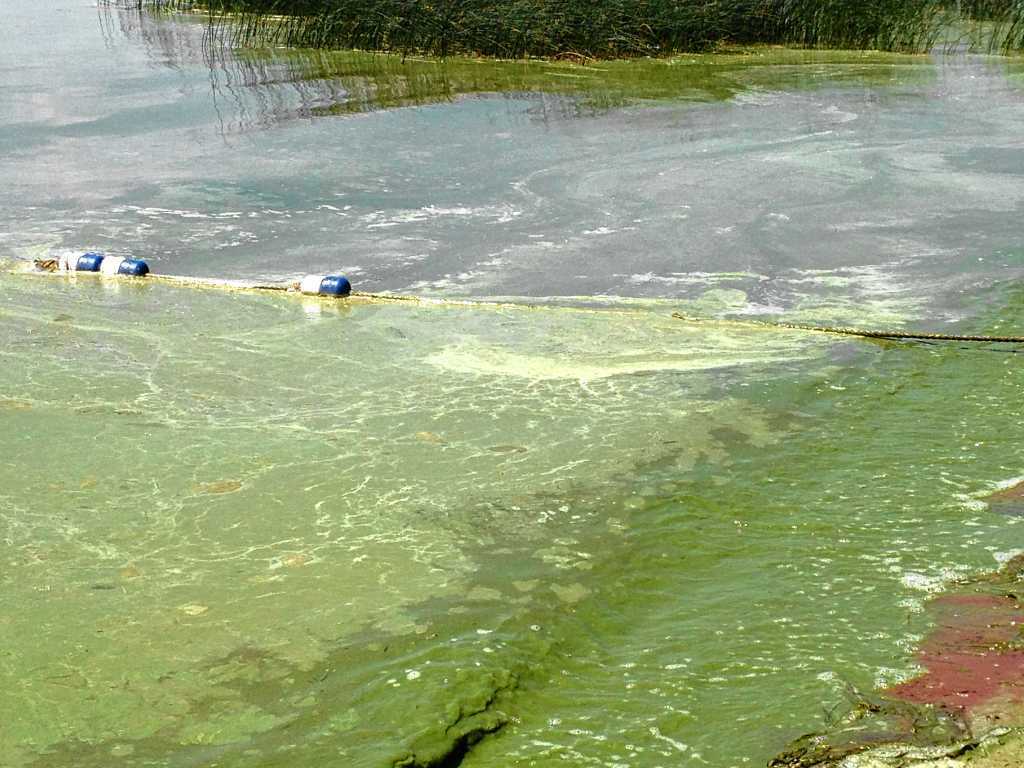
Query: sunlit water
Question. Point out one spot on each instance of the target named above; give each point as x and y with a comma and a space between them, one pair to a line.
254, 530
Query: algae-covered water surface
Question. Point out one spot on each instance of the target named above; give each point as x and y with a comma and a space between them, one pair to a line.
245, 529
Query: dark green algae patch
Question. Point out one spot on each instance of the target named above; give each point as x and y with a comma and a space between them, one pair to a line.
965, 708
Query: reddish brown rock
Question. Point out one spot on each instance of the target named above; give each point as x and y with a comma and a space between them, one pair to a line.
966, 709
1013, 493
972, 656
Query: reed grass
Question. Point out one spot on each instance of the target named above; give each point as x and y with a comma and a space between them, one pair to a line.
597, 28
266, 86
1000, 24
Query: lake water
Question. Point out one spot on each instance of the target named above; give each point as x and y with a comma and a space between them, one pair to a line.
243, 529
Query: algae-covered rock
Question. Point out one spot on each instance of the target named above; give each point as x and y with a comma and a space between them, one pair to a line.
465, 724
873, 728
1002, 748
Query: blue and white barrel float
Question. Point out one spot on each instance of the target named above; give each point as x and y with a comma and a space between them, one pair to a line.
115, 265
325, 285
105, 265
84, 262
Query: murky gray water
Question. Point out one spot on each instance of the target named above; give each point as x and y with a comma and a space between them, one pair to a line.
257, 530
115, 139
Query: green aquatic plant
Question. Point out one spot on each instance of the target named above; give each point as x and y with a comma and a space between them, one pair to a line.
569, 28
999, 24
911, 25
375, 81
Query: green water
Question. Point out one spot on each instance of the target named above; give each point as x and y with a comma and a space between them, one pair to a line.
244, 529
262, 531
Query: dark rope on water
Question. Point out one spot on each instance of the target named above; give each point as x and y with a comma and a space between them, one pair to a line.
860, 332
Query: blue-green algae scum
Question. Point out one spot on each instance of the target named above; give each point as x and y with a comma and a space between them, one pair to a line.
243, 529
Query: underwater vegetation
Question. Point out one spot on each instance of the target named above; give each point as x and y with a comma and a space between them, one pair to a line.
603, 28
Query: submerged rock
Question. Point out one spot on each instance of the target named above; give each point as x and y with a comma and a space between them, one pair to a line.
1008, 501
1013, 493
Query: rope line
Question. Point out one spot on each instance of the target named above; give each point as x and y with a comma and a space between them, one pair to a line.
860, 332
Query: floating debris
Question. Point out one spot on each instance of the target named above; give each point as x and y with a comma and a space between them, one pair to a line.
12, 404
129, 572
295, 561
217, 487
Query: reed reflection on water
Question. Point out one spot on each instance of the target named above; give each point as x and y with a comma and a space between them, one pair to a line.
259, 88
253, 90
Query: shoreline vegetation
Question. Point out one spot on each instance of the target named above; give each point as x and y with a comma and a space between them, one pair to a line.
606, 29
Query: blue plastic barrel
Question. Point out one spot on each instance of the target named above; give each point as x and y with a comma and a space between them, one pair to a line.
133, 268
89, 262
325, 285
113, 266
335, 285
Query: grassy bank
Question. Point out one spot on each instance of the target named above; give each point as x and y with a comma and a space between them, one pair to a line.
607, 28
600, 28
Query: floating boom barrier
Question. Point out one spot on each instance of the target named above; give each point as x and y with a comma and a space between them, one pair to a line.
338, 286
97, 262
326, 286
311, 285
